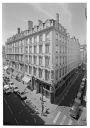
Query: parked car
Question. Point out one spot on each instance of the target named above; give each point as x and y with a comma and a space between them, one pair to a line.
82, 84
18, 78
80, 96
7, 89
21, 95
8, 72
16, 89
11, 84
76, 109
6, 79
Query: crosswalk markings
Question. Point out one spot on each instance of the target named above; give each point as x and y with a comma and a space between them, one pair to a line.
70, 122
62, 121
58, 114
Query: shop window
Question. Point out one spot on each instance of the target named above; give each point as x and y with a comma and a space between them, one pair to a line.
30, 70
40, 73
47, 75
47, 48
52, 74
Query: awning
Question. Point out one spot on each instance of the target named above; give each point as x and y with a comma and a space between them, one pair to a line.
26, 79
6, 67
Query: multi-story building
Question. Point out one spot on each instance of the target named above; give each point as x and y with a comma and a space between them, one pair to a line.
3, 54
73, 53
83, 50
41, 53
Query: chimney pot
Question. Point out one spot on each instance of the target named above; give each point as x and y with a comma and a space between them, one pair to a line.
18, 30
30, 25
57, 17
39, 22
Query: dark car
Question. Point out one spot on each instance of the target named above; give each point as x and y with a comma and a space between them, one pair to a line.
6, 80
21, 95
19, 77
76, 109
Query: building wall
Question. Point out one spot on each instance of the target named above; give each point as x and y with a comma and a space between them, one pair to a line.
73, 54
83, 51
45, 52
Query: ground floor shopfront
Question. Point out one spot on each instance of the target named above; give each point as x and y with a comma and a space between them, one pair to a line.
45, 89
48, 90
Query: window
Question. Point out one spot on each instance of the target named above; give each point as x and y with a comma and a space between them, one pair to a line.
60, 73
30, 49
56, 48
26, 42
35, 59
47, 61
63, 60
46, 48
47, 75
56, 60
60, 60
52, 74
26, 59
35, 39
48, 36
56, 74
56, 36
40, 48
61, 49
34, 71
21, 50
30, 59
35, 49
40, 60
63, 71
30, 70
26, 49
40, 73
40, 38
26, 68
30, 40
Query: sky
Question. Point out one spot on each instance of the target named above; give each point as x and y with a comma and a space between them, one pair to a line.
71, 16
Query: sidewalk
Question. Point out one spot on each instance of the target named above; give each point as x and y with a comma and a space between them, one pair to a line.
83, 118
33, 99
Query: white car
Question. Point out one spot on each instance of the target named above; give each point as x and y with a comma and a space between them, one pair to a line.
11, 84
16, 89
6, 87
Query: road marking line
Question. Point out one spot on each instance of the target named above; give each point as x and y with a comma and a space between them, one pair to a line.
62, 121
54, 121
70, 122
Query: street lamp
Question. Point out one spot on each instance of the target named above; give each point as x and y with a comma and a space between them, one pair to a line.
42, 102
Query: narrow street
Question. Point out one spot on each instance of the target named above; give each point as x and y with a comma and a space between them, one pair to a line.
61, 116
17, 113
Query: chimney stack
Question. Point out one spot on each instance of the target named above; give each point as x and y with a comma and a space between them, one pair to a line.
18, 30
39, 22
57, 17
30, 25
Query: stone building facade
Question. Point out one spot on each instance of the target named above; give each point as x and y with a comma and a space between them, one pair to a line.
45, 53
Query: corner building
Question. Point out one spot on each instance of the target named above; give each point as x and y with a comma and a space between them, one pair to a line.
40, 53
